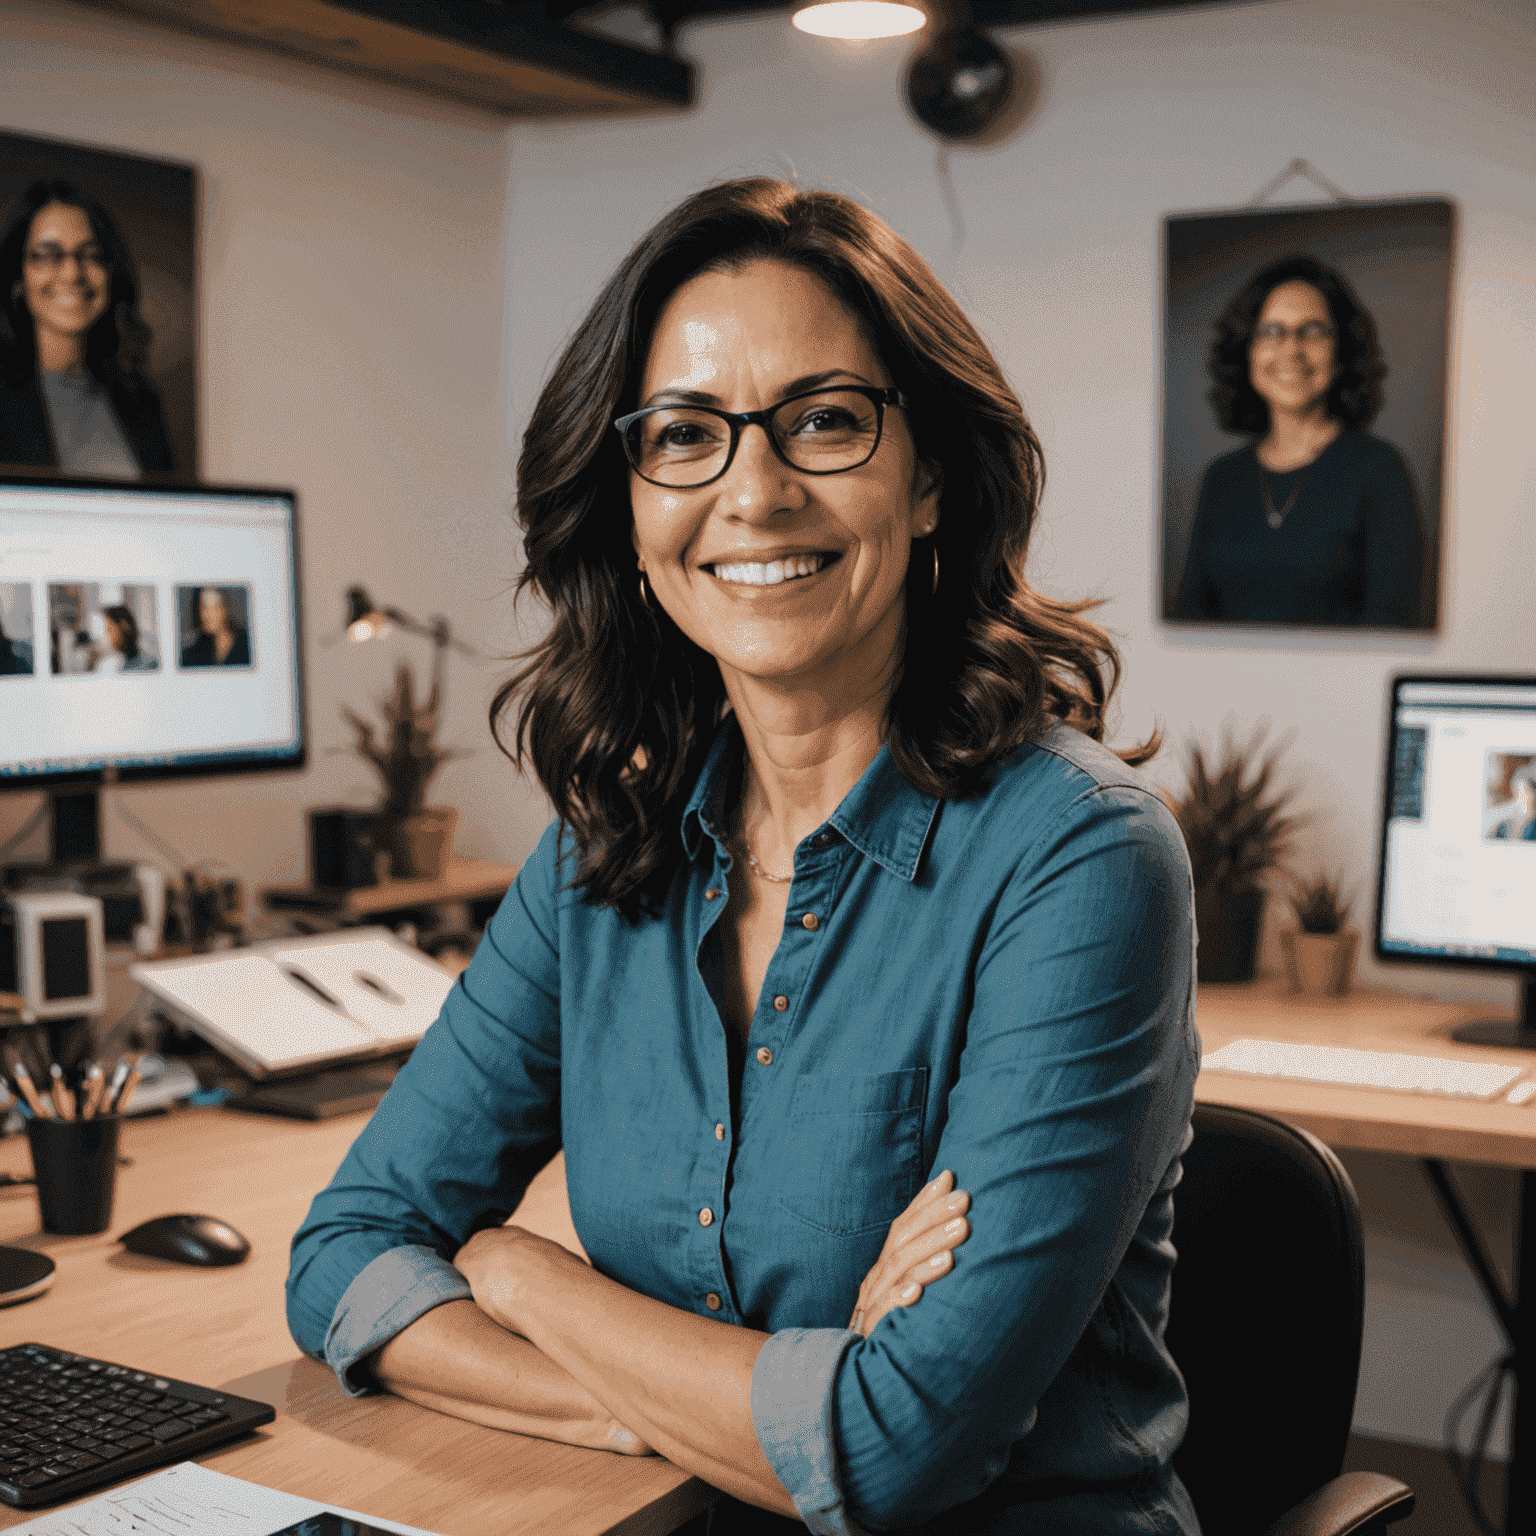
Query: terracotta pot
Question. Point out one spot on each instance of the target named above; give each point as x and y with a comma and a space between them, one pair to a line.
422, 844
1228, 924
1322, 964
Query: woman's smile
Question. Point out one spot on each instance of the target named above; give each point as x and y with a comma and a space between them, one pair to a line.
772, 572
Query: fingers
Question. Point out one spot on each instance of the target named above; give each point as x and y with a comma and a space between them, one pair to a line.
918, 1251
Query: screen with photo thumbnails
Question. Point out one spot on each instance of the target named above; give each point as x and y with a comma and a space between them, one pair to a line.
1459, 859
147, 628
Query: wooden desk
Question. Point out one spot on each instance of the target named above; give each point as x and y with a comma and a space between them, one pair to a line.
1426, 1126
226, 1328
463, 880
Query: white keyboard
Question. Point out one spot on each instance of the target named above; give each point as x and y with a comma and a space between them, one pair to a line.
1370, 1069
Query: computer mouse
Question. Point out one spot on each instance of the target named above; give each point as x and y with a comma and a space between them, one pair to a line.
186, 1239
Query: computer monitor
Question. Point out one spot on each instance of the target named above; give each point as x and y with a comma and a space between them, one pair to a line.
1458, 839
150, 631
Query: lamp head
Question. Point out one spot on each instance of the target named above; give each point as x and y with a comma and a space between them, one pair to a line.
364, 621
858, 19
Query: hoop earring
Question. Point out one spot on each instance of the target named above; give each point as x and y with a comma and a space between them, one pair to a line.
645, 596
935, 567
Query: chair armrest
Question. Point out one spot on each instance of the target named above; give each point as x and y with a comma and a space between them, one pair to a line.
1354, 1504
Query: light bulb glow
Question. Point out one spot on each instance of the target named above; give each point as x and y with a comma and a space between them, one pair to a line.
854, 19
371, 626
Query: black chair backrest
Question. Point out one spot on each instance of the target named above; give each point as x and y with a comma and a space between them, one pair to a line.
1266, 1315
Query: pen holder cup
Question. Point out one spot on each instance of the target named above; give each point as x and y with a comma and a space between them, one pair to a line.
75, 1162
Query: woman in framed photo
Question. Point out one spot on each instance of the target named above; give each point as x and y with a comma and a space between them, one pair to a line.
1315, 521
73, 395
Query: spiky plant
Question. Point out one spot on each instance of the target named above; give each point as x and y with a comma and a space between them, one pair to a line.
1232, 815
1319, 903
409, 756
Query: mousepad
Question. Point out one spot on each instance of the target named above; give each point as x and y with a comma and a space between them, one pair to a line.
23, 1275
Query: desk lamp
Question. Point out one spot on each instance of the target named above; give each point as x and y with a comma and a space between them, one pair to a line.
367, 621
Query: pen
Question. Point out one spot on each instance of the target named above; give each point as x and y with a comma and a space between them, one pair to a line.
115, 1087
129, 1084
28, 1091
94, 1085
63, 1099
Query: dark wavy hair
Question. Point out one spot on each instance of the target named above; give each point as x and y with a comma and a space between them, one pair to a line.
616, 707
128, 627
1354, 398
117, 344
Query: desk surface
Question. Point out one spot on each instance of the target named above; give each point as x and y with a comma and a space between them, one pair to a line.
226, 1328
1380, 1120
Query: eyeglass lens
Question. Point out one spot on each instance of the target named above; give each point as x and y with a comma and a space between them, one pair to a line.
53, 257
1310, 330
683, 446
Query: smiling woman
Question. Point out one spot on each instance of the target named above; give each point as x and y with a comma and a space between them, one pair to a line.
854, 978
72, 342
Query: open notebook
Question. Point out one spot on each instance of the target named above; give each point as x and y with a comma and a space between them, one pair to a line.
287, 1004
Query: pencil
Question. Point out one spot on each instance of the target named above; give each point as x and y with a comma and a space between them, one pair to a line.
23, 1080
129, 1084
63, 1099
94, 1085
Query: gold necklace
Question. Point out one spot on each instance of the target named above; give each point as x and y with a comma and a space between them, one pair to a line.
746, 846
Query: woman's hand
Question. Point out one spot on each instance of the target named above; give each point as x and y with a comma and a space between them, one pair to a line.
919, 1249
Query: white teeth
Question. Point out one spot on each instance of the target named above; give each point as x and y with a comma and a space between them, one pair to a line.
753, 573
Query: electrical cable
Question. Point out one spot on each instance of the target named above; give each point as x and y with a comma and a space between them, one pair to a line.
1467, 1470
26, 829
148, 833
951, 201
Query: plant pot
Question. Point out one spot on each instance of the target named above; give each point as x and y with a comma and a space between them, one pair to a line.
1228, 924
420, 845
1322, 964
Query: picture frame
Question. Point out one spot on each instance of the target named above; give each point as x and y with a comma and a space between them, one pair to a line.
1328, 544
155, 207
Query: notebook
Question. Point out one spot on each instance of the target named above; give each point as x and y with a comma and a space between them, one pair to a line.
289, 1004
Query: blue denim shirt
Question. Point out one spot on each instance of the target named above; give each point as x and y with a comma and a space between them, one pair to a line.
1001, 985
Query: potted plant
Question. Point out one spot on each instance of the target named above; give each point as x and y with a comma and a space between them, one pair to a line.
1235, 825
417, 837
1320, 951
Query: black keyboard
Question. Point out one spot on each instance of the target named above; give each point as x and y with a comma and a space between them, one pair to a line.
69, 1424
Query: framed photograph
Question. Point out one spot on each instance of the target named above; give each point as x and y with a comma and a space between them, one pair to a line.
1304, 375
98, 310
213, 625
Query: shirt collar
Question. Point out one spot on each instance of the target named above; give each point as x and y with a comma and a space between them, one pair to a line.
883, 816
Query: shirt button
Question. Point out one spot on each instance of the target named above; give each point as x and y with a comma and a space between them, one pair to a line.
719, 1133
706, 1216
810, 922
712, 1302
781, 1003
711, 894
765, 1056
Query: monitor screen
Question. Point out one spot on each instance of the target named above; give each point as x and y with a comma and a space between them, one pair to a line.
1458, 865
147, 631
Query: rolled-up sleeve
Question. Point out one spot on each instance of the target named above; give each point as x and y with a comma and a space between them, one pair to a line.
464, 1127
1073, 1099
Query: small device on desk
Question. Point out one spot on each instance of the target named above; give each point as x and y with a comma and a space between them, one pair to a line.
53, 954
1458, 836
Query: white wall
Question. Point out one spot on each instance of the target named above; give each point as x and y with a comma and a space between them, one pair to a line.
352, 294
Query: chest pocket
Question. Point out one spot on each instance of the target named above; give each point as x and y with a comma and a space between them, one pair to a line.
853, 1150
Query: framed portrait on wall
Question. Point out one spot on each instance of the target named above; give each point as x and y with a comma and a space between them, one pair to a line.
1304, 389
98, 310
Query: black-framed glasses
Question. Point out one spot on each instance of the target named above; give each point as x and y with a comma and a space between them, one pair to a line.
1272, 332
822, 432
51, 257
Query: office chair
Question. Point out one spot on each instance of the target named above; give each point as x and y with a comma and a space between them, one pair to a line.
1265, 1322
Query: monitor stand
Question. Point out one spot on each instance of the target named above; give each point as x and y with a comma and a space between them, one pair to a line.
74, 840
1517, 1034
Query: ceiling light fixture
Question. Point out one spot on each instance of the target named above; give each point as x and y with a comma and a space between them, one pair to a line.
857, 20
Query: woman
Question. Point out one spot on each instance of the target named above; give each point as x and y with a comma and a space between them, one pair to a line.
220, 641
1315, 521
1519, 823
848, 922
72, 342
122, 636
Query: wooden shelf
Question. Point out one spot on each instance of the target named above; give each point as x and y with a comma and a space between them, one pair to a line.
465, 880
512, 59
